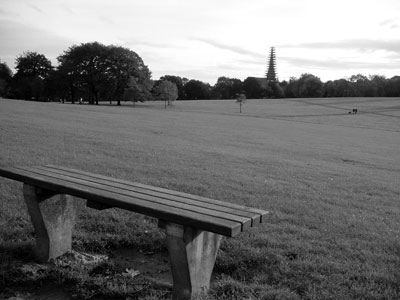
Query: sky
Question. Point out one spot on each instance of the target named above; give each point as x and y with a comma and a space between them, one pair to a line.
206, 39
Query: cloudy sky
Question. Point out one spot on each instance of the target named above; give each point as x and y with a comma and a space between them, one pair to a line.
205, 39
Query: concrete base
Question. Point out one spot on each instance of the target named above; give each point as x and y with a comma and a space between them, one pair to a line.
192, 254
53, 217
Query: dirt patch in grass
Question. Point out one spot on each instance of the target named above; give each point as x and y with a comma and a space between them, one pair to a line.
153, 266
121, 274
50, 291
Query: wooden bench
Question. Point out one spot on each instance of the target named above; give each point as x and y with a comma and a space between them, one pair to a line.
194, 225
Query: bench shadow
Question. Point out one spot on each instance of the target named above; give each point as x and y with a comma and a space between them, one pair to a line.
154, 266
21, 252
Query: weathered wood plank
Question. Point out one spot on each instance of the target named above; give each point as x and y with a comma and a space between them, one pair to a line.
246, 222
256, 211
158, 210
255, 218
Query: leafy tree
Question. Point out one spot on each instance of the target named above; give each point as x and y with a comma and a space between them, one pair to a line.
226, 88
291, 89
283, 85
393, 87
72, 85
222, 89
136, 92
5, 79
165, 90
5, 71
237, 87
131, 91
241, 98
329, 89
57, 86
309, 86
197, 90
377, 86
343, 88
359, 85
253, 88
32, 69
33, 64
126, 64
180, 83
87, 66
3, 87
104, 72
274, 90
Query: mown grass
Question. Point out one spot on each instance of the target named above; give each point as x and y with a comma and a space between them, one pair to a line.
329, 179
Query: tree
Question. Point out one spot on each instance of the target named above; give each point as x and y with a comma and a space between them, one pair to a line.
377, 86
343, 88
393, 87
329, 89
87, 66
241, 98
67, 76
252, 88
222, 89
136, 92
236, 87
274, 90
33, 64
226, 88
180, 83
197, 90
104, 72
165, 90
359, 85
126, 64
3, 87
32, 70
309, 86
5, 79
291, 89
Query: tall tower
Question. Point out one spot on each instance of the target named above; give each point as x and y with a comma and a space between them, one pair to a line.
271, 73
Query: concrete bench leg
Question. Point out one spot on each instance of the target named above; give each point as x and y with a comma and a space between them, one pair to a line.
192, 253
53, 217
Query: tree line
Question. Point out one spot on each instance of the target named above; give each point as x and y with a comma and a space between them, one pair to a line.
94, 72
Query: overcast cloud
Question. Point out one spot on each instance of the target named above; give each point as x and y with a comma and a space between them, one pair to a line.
211, 38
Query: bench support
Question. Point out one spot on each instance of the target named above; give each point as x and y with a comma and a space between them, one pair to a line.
192, 254
53, 217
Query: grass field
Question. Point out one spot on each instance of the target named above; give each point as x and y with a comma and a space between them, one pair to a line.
330, 180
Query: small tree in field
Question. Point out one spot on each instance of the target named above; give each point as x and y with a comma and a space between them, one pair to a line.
241, 98
165, 90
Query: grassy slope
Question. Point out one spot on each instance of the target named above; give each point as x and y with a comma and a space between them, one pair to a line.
330, 180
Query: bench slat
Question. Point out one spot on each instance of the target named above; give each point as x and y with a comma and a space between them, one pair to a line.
246, 222
158, 210
255, 218
255, 211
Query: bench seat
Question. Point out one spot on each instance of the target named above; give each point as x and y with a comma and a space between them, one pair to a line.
220, 217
